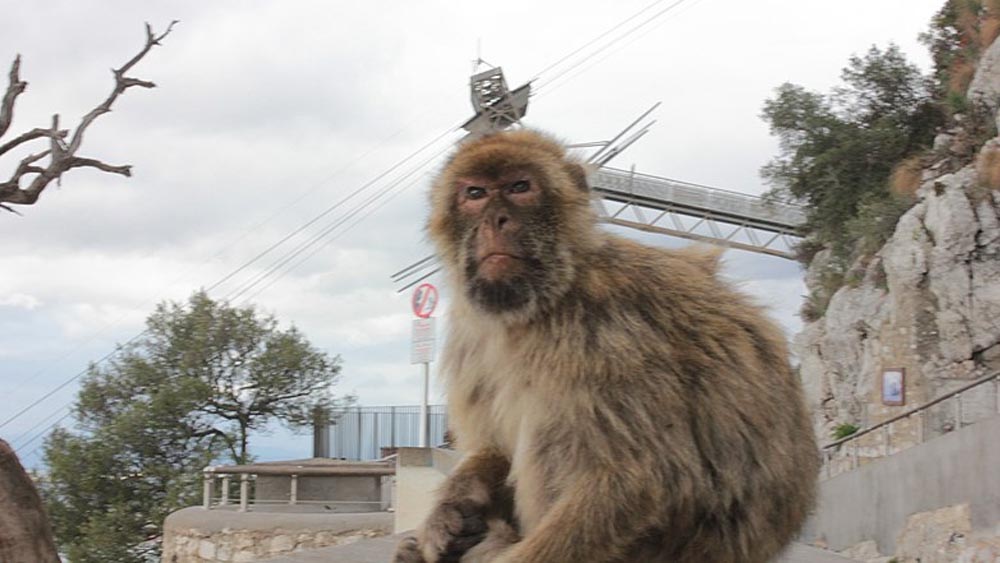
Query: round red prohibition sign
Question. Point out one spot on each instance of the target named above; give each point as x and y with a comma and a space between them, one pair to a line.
425, 299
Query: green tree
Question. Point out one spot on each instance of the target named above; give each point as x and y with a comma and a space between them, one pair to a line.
838, 150
188, 392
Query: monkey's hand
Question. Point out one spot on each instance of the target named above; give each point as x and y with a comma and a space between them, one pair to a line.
499, 539
408, 551
475, 490
452, 529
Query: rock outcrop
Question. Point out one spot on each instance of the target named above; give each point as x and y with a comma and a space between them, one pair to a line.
927, 302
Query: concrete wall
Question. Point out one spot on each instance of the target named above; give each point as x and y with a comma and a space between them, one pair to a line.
419, 472
874, 501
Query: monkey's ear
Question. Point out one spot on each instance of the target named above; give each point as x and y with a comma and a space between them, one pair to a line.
579, 174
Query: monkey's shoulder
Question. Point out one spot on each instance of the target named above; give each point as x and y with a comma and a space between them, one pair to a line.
620, 265
669, 290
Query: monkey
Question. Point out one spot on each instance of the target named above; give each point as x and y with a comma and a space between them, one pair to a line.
615, 402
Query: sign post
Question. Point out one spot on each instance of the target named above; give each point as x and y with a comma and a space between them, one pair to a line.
424, 302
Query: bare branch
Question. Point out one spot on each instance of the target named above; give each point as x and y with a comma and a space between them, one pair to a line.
35, 133
14, 89
78, 162
122, 83
62, 155
11, 191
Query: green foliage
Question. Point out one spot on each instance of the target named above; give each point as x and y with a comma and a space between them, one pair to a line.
844, 430
875, 221
184, 395
837, 155
956, 102
838, 150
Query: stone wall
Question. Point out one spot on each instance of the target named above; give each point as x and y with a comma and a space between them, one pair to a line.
196, 535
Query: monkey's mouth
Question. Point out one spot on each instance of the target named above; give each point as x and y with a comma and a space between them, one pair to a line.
498, 257
496, 265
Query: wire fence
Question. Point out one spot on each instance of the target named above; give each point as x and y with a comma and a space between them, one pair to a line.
368, 433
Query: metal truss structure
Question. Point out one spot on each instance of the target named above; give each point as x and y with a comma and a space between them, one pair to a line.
699, 213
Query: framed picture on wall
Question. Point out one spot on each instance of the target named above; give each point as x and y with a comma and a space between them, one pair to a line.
894, 386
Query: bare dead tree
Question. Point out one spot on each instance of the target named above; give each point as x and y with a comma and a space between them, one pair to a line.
33, 171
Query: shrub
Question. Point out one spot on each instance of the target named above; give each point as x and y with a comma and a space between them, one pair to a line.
844, 430
876, 221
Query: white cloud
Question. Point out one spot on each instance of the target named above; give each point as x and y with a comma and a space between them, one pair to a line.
20, 300
266, 114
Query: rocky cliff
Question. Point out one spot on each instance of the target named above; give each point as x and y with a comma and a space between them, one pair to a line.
928, 301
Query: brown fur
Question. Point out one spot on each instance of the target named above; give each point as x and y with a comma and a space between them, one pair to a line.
637, 407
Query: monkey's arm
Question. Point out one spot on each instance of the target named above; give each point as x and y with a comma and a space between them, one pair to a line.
474, 491
594, 520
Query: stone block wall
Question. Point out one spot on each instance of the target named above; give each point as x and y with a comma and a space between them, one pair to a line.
196, 535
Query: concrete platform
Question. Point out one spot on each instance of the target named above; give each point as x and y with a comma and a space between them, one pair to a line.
379, 550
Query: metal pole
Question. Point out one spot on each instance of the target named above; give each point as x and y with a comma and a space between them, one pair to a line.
392, 426
361, 428
208, 479
423, 406
376, 443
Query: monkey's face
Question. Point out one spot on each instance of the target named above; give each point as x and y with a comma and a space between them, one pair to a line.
509, 213
505, 227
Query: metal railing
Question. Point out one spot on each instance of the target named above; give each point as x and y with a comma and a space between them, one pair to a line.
849, 446
686, 197
247, 476
366, 433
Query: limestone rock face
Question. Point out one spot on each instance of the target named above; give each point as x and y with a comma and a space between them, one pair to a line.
928, 302
985, 84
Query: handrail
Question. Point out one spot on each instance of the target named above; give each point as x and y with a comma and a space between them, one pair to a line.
741, 195
912, 411
326, 468
357, 470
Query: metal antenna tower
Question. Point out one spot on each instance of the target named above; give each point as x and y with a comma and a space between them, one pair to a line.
496, 106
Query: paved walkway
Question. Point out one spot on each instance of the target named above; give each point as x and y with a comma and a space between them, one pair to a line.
379, 550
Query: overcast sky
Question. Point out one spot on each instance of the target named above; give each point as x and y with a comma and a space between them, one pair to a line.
268, 113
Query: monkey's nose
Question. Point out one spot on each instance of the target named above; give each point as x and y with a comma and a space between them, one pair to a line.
501, 220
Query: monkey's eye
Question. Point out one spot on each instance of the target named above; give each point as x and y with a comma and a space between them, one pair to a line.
475, 192
519, 186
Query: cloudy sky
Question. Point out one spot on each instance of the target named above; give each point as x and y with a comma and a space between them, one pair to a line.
267, 115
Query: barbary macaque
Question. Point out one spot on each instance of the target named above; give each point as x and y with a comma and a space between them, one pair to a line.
614, 402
